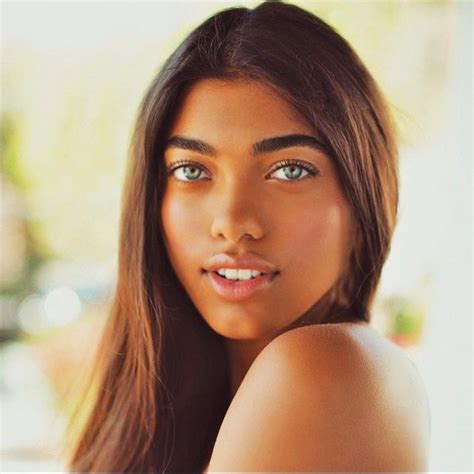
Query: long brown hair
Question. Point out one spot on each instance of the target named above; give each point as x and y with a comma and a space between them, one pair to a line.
164, 386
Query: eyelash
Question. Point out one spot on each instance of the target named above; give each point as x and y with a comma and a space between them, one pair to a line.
311, 170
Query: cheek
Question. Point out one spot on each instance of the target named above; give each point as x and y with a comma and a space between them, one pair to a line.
181, 224
323, 235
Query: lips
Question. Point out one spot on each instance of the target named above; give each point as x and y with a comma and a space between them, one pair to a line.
238, 290
245, 261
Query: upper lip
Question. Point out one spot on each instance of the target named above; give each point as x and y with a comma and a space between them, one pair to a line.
244, 261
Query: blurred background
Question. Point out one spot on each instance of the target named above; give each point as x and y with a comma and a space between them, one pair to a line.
72, 75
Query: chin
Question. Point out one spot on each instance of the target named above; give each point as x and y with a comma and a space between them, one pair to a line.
239, 326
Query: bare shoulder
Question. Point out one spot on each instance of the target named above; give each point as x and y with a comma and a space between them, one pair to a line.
345, 346
353, 353
336, 397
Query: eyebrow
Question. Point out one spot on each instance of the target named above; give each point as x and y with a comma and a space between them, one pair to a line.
266, 145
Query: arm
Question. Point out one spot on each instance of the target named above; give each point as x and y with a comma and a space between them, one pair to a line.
320, 404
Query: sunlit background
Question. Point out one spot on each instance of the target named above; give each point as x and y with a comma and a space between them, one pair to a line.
72, 76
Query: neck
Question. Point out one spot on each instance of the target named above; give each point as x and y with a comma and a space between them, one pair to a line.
242, 353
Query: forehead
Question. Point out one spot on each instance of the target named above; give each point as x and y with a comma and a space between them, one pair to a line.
239, 109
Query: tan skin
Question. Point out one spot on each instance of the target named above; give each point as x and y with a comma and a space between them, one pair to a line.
226, 197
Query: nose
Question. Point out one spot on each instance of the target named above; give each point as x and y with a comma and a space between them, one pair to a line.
236, 218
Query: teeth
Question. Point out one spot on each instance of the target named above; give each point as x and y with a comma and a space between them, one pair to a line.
238, 274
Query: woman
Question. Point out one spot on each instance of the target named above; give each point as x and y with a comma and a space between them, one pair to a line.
258, 211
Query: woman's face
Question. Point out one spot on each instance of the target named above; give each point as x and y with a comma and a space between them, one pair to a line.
249, 189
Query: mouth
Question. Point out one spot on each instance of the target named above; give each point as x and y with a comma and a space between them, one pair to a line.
236, 284
271, 274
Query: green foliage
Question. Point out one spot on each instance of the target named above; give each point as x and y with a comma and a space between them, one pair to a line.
407, 316
10, 144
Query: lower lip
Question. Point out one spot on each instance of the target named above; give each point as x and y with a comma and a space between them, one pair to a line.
238, 290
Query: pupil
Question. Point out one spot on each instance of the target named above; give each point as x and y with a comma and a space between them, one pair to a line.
293, 171
191, 171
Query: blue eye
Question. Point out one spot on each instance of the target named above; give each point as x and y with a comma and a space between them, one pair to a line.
293, 170
187, 171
